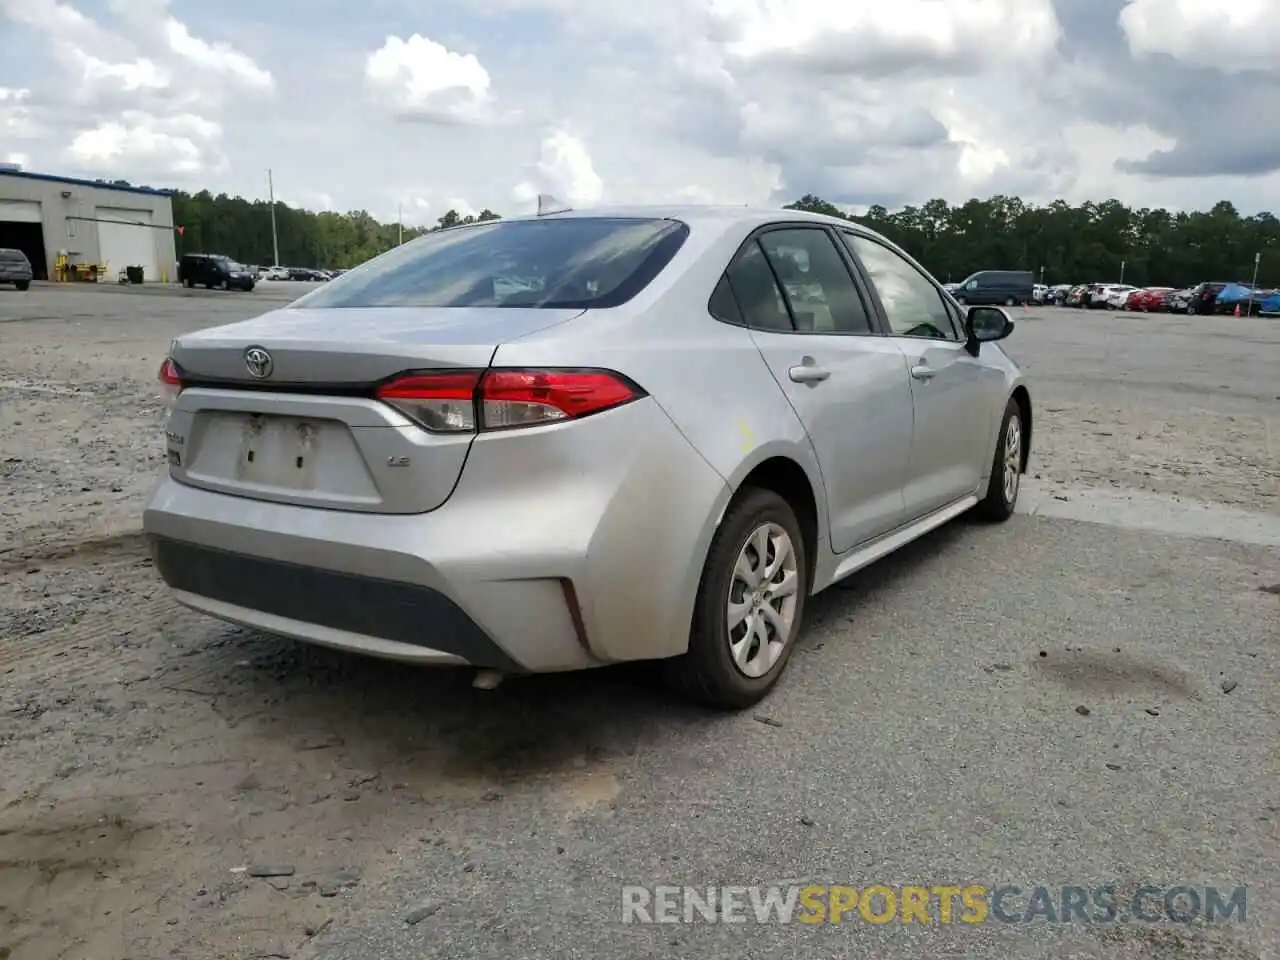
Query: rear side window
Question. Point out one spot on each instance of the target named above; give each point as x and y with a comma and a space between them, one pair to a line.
756, 291
573, 262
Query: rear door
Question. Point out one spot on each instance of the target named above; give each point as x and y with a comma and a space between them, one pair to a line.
792, 287
953, 392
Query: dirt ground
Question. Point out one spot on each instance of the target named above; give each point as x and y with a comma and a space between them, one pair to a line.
158, 769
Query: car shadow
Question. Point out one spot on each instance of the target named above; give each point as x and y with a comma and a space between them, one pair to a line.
432, 728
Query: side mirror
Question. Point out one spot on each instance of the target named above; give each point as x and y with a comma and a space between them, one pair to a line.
984, 325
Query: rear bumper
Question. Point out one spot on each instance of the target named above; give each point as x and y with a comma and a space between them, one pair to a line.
562, 547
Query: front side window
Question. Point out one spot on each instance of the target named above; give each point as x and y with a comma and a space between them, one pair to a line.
571, 262
912, 304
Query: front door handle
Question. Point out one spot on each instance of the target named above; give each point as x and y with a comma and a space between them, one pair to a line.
808, 372
922, 371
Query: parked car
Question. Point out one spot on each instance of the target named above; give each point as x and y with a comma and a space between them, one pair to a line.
15, 268
1177, 301
1114, 295
1204, 298
1147, 299
1059, 293
543, 444
1008, 287
1075, 296
213, 270
1039, 293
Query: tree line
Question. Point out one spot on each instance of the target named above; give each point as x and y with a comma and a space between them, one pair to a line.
1061, 243
241, 229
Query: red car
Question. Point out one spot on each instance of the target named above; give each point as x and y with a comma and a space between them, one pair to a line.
1150, 298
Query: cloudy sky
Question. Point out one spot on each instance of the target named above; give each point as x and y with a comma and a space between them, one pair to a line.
424, 106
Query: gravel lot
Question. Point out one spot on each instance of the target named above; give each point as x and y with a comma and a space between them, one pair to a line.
153, 760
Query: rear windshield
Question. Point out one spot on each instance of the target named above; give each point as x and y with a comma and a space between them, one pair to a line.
574, 262
16, 256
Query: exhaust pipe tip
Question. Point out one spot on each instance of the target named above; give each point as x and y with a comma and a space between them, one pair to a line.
488, 679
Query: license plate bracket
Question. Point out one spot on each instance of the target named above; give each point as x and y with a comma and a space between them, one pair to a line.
278, 452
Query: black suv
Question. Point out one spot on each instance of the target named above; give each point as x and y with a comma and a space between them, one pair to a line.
214, 270
15, 268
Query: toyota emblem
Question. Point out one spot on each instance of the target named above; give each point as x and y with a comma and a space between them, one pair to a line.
259, 362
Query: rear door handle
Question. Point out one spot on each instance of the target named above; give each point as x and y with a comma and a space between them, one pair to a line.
922, 371
808, 372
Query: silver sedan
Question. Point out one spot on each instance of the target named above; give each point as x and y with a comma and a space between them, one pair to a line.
563, 441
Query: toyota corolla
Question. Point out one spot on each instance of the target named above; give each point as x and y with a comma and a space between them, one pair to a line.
563, 441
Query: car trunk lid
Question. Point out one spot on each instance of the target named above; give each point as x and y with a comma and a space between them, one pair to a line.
302, 426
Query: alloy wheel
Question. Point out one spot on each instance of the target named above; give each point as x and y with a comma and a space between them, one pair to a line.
762, 600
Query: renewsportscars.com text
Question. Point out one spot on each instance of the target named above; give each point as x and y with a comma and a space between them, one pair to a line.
934, 904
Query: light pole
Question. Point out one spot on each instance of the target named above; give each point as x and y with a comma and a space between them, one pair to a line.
1257, 259
275, 239
1121, 272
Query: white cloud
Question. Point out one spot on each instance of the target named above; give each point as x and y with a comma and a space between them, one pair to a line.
180, 146
217, 58
564, 170
885, 37
16, 119
420, 79
140, 75
1235, 35
143, 97
732, 101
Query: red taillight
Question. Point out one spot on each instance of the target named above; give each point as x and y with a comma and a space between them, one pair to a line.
171, 384
522, 398
502, 399
170, 376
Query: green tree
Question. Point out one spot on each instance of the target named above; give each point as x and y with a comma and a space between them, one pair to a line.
1092, 242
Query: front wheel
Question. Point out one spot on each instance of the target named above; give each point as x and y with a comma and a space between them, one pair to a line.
749, 607
1006, 469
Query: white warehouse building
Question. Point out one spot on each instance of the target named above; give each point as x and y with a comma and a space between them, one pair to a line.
107, 225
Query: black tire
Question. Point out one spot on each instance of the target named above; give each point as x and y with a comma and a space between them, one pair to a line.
997, 506
707, 673
23, 285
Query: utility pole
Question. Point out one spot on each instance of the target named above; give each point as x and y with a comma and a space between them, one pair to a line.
275, 239
400, 221
1122, 272
1257, 259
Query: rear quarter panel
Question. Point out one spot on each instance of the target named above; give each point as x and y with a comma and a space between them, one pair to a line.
710, 380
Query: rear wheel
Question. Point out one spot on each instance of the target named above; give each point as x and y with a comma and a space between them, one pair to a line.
23, 285
749, 607
1006, 469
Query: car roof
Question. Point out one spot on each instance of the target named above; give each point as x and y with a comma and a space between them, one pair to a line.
715, 215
